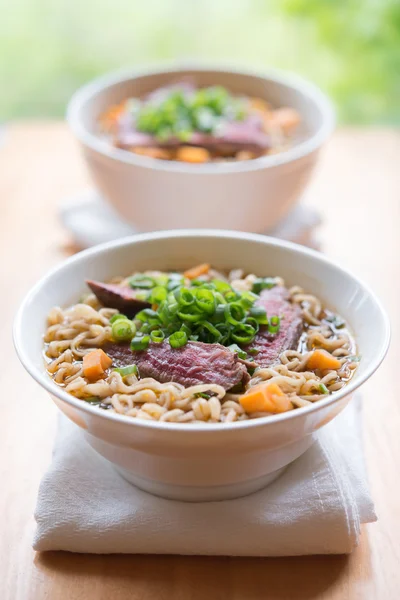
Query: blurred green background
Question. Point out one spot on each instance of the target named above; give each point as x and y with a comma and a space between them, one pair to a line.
351, 48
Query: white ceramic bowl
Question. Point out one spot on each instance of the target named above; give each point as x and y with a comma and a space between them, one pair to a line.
188, 461
246, 196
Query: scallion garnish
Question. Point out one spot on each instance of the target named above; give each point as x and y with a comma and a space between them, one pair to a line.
123, 330
205, 300
93, 400
241, 353
179, 112
178, 339
158, 294
263, 283
234, 313
323, 389
274, 324
157, 336
129, 370
259, 314
117, 317
197, 310
243, 334
140, 343
140, 281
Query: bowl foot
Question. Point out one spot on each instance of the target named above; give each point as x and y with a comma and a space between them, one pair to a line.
199, 494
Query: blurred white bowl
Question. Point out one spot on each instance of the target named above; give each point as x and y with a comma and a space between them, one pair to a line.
190, 461
247, 196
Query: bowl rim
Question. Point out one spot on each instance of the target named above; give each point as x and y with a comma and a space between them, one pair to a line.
47, 383
291, 80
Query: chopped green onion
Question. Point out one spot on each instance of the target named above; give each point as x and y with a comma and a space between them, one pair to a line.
184, 297
162, 280
186, 329
158, 294
196, 282
141, 281
140, 343
234, 313
243, 333
178, 339
215, 333
251, 321
274, 324
263, 283
146, 314
202, 395
221, 286
247, 299
253, 351
157, 336
219, 298
129, 370
175, 280
207, 285
259, 314
191, 314
231, 296
219, 315
123, 330
93, 400
117, 317
142, 295
241, 353
205, 300
225, 332
171, 328
322, 388
172, 309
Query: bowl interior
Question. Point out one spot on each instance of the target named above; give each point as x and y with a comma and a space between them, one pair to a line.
281, 90
338, 289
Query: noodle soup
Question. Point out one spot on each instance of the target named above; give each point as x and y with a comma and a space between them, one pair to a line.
198, 347
186, 123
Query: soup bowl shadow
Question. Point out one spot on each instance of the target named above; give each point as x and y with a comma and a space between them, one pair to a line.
152, 194
217, 461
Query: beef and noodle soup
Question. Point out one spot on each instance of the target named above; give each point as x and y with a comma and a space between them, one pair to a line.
198, 346
197, 125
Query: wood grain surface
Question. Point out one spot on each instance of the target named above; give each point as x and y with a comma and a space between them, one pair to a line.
357, 191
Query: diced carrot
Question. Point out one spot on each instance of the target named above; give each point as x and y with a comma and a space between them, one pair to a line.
95, 363
260, 105
192, 154
152, 152
245, 155
266, 397
285, 118
322, 360
197, 271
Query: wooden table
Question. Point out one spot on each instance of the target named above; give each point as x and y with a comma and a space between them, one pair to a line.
357, 190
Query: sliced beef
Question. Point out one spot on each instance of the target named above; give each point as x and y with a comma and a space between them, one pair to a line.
123, 298
233, 136
270, 346
193, 364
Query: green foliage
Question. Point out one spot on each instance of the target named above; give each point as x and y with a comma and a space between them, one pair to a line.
351, 48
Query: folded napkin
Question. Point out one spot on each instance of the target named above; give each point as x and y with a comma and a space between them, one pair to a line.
315, 507
92, 221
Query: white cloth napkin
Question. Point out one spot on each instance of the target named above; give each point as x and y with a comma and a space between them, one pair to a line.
315, 507
92, 221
